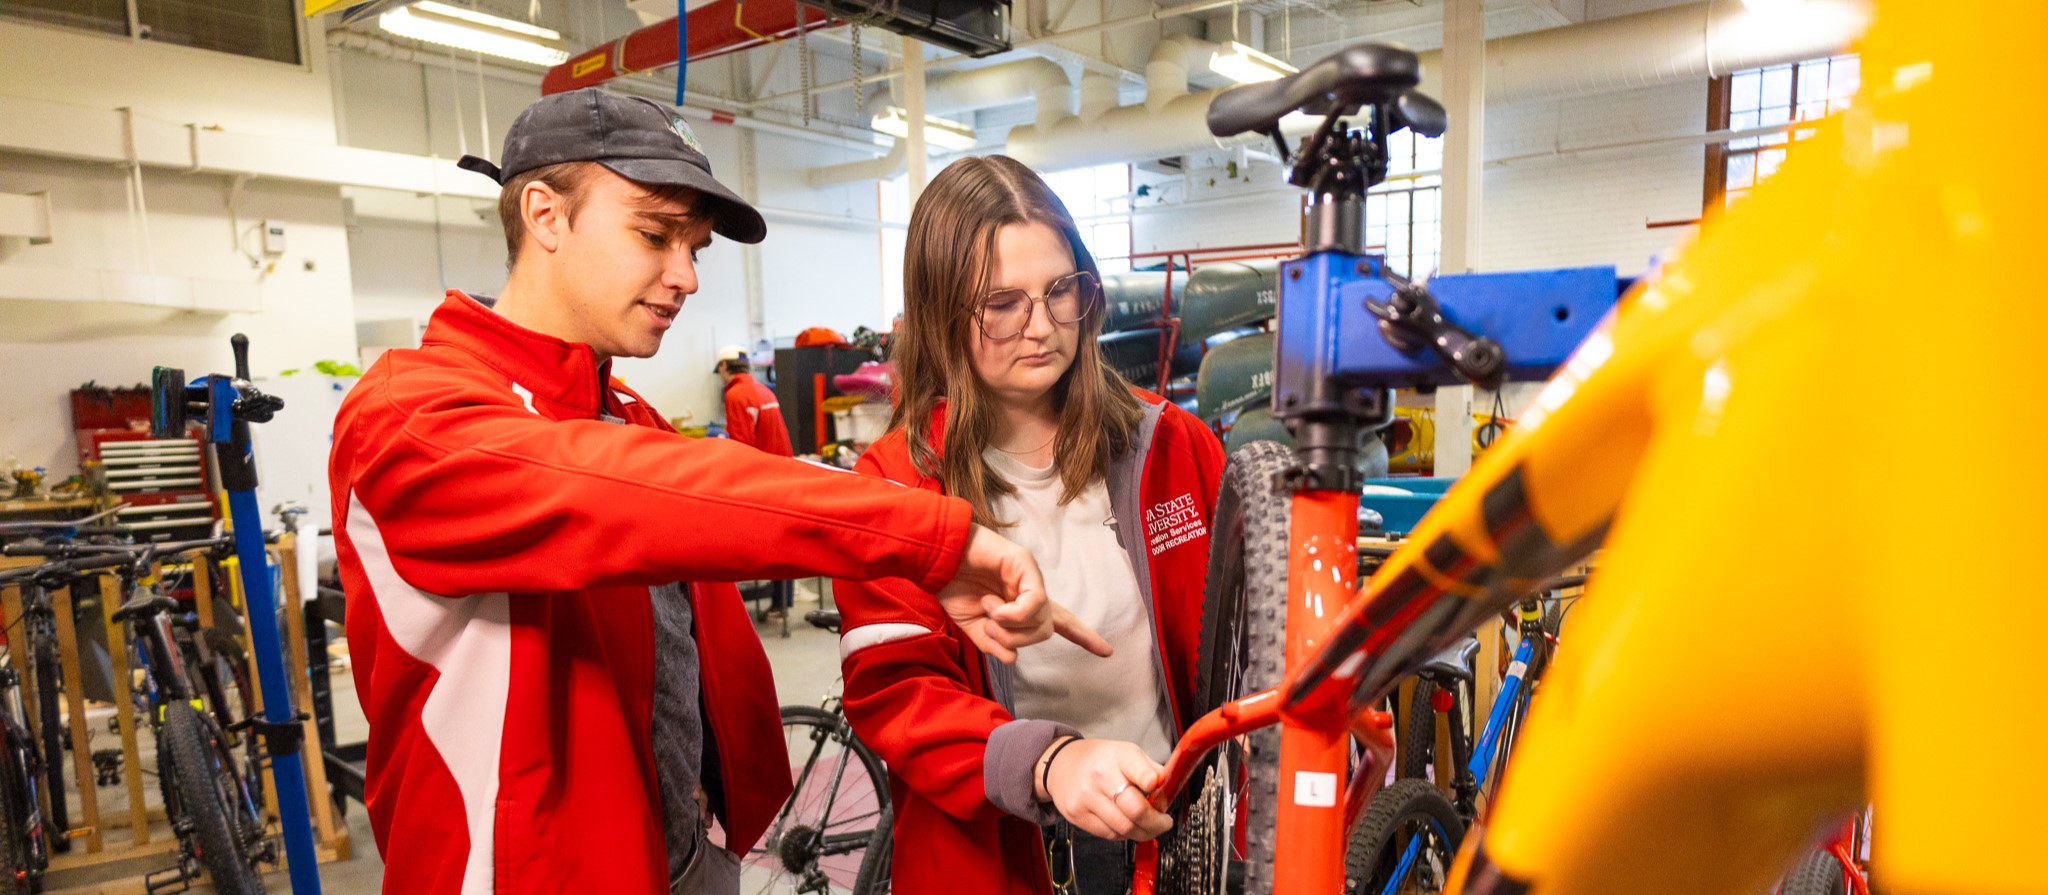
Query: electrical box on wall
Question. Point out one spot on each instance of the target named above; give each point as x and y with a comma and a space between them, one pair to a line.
273, 238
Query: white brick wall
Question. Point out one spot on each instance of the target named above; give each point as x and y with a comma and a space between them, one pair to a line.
1590, 207
1575, 209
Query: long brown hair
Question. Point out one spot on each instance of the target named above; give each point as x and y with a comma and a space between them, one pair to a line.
949, 255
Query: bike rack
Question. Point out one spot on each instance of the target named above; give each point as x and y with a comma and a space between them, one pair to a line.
227, 407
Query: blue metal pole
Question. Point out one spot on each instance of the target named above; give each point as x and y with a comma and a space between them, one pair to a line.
288, 771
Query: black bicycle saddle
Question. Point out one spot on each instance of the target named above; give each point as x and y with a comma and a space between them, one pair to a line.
1454, 662
143, 607
1366, 74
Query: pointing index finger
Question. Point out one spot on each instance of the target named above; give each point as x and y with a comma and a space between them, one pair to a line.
1066, 625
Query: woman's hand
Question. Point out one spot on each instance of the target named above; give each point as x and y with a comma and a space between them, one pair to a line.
1100, 785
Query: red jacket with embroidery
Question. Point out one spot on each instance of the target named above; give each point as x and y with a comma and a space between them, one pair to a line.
924, 698
498, 539
753, 416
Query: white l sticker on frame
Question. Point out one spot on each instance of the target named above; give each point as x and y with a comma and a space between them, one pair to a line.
1315, 789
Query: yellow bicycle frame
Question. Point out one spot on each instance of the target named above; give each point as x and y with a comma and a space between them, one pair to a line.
1867, 588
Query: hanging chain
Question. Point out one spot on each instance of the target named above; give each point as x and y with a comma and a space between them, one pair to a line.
1287, 33
860, 90
806, 79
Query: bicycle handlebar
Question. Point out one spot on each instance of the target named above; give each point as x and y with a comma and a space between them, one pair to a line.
64, 569
141, 552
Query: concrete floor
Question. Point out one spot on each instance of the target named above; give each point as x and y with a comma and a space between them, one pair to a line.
806, 665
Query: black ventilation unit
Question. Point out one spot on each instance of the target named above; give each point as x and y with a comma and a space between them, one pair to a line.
974, 27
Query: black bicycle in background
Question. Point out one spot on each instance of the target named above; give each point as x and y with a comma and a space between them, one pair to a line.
834, 834
26, 841
39, 628
210, 794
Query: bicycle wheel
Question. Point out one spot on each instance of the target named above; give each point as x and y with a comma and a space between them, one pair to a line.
1816, 873
210, 799
1404, 843
18, 873
49, 700
1243, 634
833, 835
1418, 735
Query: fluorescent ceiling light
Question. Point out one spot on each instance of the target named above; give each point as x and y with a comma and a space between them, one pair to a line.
464, 29
1771, 6
1245, 65
939, 132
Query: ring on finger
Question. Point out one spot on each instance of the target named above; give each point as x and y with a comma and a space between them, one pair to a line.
1120, 789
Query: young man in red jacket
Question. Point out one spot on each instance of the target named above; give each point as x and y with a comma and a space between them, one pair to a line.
752, 415
560, 696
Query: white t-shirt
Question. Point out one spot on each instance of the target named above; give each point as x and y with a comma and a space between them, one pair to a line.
1120, 697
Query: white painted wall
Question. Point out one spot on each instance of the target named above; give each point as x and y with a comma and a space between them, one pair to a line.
50, 347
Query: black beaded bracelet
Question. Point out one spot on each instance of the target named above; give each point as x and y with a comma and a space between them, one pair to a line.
1045, 775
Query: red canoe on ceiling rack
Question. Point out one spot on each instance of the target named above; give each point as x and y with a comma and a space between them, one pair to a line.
716, 28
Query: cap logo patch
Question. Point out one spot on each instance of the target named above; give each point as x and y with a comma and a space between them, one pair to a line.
680, 128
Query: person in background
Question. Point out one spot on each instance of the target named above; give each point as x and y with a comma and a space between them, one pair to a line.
1004, 399
561, 695
753, 417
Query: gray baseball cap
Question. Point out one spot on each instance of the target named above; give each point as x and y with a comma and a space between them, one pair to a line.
636, 138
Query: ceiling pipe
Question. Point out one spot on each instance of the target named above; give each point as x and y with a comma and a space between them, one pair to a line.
896, 162
1157, 14
703, 107
1104, 133
1032, 77
1691, 42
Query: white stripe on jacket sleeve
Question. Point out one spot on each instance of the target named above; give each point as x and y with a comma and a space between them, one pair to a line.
875, 635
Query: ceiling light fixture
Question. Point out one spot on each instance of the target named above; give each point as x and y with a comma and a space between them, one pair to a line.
464, 29
940, 132
1245, 65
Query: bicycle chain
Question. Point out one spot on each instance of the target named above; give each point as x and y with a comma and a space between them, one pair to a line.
1191, 860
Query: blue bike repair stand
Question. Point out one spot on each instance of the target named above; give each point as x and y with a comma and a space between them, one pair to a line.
228, 406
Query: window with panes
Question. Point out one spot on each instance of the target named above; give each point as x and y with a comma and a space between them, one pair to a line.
1404, 215
1767, 104
1099, 199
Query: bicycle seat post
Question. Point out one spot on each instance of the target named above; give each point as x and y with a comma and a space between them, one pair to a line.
1328, 414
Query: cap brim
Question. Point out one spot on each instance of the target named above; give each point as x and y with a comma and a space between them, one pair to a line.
731, 216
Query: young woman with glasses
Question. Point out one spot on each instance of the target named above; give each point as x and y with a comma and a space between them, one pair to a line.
1030, 778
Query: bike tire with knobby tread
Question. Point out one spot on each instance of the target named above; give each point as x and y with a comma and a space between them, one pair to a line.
1379, 829
16, 876
49, 699
1418, 734
190, 746
1816, 873
1244, 621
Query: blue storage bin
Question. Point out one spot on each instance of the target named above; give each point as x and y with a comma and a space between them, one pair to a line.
1402, 512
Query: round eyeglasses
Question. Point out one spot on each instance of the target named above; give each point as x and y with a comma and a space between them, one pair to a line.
1004, 313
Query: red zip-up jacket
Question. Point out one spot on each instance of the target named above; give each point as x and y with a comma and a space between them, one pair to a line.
753, 416
929, 702
498, 537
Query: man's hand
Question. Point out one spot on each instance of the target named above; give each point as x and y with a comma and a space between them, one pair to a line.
1100, 786
998, 598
